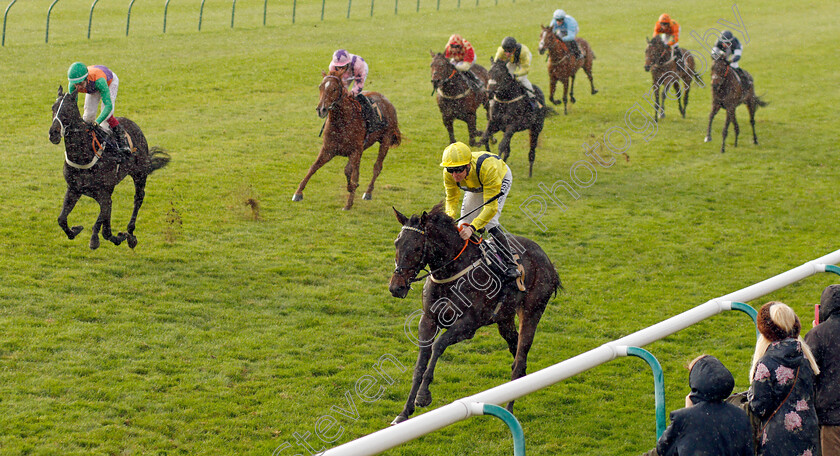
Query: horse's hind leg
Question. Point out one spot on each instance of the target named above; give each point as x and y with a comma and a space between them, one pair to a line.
587, 68
448, 122
351, 171
751, 108
527, 329
139, 195
323, 158
70, 200
377, 168
565, 96
685, 98
735, 126
507, 329
729, 116
552, 86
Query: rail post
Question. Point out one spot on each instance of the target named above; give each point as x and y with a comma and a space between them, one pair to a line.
5, 15
165, 10
90, 19
49, 11
200, 14
232, 11
512, 423
658, 382
128, 17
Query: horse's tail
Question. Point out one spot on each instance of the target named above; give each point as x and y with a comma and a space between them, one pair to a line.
396, 137
760, 102
548, 111
158, 158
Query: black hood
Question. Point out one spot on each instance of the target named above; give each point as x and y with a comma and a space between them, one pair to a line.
710, 380
829, 302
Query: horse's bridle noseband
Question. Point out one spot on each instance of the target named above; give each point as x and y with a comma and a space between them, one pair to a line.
421, 264
57, 111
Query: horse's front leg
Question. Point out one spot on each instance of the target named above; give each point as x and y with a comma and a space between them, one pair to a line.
448, 122
565, 95
470, 119
751, 107
425, 336
104, 222
572, 89
552, 86
685, 98
323, 158
70, 199
735, 125
715, 109
351, 171
139, 196
504, 144
464, 328
725, 129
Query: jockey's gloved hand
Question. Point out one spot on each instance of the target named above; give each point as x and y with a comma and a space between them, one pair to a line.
466, 231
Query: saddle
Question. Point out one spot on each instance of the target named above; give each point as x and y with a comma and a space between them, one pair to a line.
374, 119
492, 257
106, 145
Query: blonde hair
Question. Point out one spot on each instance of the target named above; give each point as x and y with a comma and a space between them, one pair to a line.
785, 318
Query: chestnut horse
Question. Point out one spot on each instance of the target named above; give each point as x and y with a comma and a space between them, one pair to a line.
345, 134
90, 172
461, 294
562, 64
728, 93
455, 99
664, 68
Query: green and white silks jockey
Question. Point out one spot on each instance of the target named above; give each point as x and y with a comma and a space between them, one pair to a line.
99, 84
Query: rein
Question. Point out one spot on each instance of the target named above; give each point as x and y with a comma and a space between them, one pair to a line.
422, 263
340, 96
95, 144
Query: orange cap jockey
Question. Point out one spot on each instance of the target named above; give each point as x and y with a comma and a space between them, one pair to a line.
669, 27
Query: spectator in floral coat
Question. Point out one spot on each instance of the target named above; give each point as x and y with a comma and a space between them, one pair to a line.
781, 394
708, 425
824, 341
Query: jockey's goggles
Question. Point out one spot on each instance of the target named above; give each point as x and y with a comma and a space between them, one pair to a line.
456, 169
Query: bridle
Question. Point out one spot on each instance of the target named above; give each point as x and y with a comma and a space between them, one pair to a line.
438, 86
422, 263
95, 144
341, 93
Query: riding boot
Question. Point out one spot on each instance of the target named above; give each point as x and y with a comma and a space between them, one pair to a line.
575, 49
123, 151
678, 54
510, 265
372, 122
473, 82
532, 99
745, 80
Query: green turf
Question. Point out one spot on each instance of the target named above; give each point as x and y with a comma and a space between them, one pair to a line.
227, 330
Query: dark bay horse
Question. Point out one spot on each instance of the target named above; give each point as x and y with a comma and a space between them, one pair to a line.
345, 134
664, 69
563, 66
510, 111
728, 93
455, 99
461, 295
88, 175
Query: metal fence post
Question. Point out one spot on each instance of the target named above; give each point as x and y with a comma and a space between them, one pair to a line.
90, 19
371, 8
294, 10
200, 14
6, 14
232, 11
49, 11
349, 2
265, 11
128, 18
513, 424
395, 6
658, 385
828, 267
165, 9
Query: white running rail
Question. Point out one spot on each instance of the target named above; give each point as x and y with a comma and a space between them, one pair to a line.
462, 408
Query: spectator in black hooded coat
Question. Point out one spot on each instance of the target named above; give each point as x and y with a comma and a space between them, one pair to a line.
824, 341
707, 426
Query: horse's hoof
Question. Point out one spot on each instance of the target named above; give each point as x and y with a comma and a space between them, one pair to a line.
297, 197
423, 400
94, 242
594, 91
556, 102
399, 419
755, 141
367, 196
572, 99
661, 115
75, 231
707, 139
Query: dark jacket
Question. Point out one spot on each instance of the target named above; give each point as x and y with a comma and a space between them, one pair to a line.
782, 396
710, 427
824, 341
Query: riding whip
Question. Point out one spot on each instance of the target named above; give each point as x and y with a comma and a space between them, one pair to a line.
479, 207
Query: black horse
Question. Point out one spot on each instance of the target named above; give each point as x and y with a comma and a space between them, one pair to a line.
455, 99
511, 111
90, 172
728, 92
461, 295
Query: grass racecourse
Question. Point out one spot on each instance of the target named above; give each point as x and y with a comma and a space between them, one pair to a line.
233, 330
